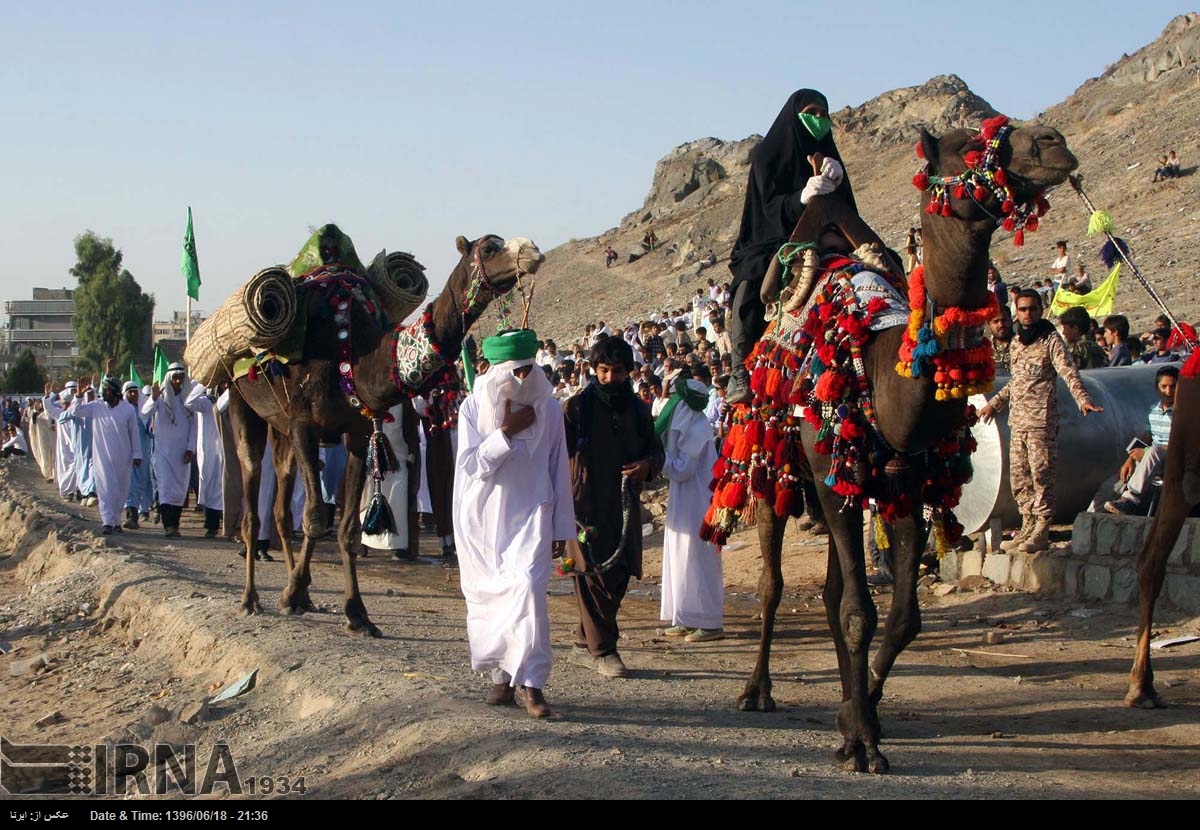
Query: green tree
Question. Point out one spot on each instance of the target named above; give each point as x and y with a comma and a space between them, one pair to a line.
112, 314
24, 375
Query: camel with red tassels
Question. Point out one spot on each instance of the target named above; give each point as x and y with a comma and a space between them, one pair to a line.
877, 414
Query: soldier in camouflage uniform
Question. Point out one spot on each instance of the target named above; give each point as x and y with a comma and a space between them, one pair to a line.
1086, 353
1038, 357
1000, 331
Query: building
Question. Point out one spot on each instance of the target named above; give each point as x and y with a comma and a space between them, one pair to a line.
176, 327
42, 325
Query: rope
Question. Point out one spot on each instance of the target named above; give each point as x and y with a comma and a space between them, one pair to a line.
1077, 186
629, 506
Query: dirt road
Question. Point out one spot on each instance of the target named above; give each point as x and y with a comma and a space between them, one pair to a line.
136, 631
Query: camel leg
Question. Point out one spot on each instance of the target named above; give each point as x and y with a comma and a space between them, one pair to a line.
305, 452
252, 434
357, 621
856, 620
832, 597
904, 619
285, 480
756, 697
1164, 531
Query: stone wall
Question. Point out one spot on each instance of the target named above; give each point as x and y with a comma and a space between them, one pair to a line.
1099, 564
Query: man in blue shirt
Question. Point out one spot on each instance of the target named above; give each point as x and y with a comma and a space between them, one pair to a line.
1145, 463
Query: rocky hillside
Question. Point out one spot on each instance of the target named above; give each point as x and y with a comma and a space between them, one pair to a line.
1117, 124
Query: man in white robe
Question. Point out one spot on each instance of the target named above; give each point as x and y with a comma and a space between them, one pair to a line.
64, 433
512, 507
211, 458
116, 448
141, 486
693, 590
398, 487
174, 428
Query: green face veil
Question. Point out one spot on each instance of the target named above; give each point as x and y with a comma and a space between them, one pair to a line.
817, 126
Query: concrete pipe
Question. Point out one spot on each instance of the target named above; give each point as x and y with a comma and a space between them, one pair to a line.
1090, 450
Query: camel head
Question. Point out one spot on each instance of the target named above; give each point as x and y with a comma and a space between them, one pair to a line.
998, 174
497, 263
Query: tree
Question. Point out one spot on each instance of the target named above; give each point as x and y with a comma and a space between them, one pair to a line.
24, 375
112, 314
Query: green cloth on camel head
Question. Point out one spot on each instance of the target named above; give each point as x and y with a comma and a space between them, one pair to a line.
516, 344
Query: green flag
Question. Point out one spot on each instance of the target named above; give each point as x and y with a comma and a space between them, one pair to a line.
190, 265
134, 376
160, 366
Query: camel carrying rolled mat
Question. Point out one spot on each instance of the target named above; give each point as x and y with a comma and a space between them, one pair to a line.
254, 319
399, 282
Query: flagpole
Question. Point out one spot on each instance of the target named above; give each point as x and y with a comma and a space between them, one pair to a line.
187, 331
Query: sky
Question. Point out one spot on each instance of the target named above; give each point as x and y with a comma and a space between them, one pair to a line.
408, 124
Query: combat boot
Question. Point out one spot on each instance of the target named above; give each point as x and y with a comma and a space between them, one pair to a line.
1038, 539
1021, 535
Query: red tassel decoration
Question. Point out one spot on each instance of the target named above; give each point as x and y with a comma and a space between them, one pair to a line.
980, 192
1009, 224
1031, 224
1007, 207
920, 151
1000, 177
771, 441
921, 180
784, 498
960, 192
758, 379
1019, 239
759, 481
734, 496
946, 210
754, 433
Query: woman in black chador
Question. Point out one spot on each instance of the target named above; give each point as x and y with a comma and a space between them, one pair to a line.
780, 169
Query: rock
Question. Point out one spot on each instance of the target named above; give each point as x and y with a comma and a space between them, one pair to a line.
155, 715
975, 582
993, 638
32, 665
195, 712
49, 720
943, 589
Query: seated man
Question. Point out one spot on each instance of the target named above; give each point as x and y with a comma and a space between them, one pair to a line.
1145, 463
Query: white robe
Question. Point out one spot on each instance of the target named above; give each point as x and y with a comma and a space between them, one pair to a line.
172, 438
41, 435
115, 446
64, 448
512, 499
693, 591
210, 451
424, 502
395, 489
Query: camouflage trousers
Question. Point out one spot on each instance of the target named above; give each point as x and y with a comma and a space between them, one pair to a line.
1032, 469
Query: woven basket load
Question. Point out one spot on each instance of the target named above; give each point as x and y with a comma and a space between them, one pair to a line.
400, 283
254, 319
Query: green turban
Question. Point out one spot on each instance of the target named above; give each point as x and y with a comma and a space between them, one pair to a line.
517, 344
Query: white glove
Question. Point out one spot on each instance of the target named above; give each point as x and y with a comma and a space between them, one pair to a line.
816, 186
832, 170
831, 176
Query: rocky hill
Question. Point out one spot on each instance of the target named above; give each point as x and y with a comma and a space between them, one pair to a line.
1117, 124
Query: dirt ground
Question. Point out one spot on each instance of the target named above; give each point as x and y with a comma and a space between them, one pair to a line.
138, 632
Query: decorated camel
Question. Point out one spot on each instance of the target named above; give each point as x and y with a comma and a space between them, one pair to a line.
1180, 493
353, 369
876, 410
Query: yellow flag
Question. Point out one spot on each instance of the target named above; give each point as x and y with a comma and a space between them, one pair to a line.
1098, 302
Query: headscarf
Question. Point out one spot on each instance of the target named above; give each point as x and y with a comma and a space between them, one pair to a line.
687, 430
128, 385
501, 384
111, 382
184, 391
779, 168
691, 392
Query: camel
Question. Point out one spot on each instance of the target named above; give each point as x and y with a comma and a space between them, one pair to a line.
316, 398
957, 231
1180, 493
